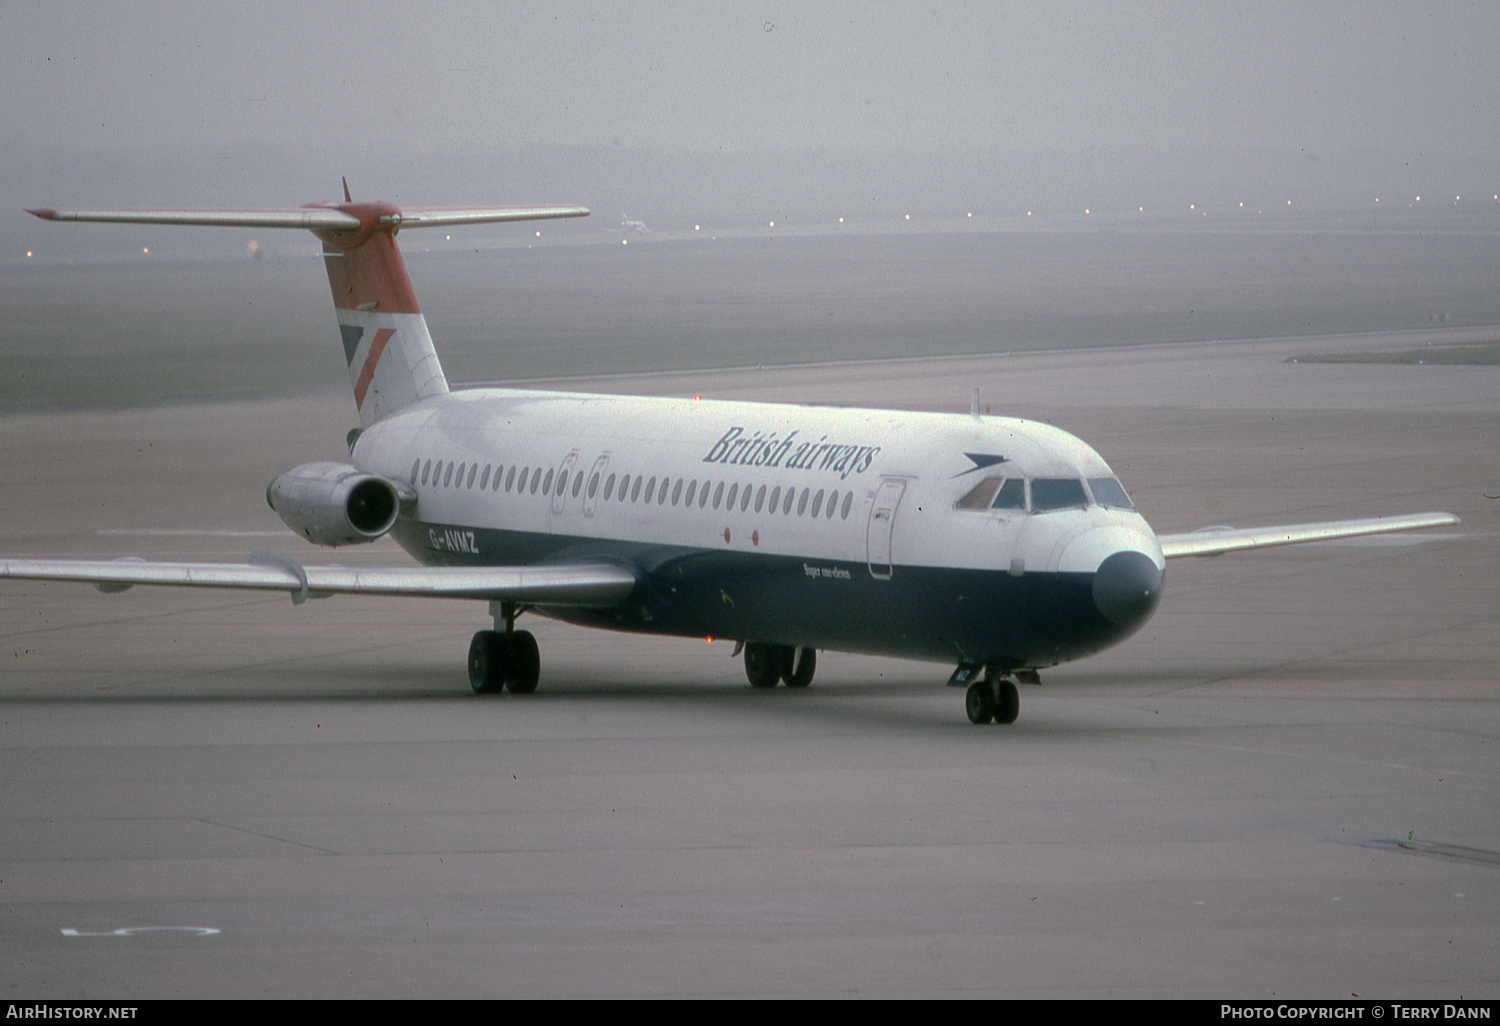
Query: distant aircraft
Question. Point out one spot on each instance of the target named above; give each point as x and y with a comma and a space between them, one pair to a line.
629, 224
995, 545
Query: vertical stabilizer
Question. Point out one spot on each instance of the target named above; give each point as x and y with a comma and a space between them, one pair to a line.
389, 352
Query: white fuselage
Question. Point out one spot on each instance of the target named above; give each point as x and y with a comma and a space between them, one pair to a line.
859, 502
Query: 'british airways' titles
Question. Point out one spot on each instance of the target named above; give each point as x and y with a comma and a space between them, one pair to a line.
767, 449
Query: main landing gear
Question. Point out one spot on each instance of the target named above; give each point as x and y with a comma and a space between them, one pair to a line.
995, 698
504, 658
766, 665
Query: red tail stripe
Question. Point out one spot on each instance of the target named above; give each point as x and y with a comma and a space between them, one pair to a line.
367, 372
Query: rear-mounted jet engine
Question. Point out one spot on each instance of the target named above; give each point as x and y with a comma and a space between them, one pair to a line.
334, 503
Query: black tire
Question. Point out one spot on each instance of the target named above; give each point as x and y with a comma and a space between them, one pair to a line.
486, 663
525, 669
801, 664
763, 664
1007, 702
979, 702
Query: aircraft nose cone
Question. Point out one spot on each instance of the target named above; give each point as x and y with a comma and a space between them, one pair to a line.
1127, 587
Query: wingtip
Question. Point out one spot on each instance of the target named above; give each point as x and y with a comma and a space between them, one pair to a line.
45, 213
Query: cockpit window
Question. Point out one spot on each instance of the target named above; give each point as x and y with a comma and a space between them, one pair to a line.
1107, 492
1049, 493
1012, 495
980, 495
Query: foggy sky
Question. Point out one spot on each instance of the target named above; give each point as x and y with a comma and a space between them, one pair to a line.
667, 106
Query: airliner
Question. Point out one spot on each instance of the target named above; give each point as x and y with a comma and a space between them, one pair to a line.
995, 545
631, 224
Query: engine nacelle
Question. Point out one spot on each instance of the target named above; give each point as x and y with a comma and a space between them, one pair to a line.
334, 503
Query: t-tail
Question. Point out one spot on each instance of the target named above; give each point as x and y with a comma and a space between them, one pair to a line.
389, 352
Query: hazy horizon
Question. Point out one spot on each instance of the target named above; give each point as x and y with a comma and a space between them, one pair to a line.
685, 113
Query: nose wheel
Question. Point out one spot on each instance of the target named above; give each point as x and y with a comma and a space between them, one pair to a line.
992, 700
767, 665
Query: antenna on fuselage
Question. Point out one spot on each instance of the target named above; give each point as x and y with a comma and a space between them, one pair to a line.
974, 404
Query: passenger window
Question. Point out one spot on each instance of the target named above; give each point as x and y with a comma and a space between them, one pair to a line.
817, 502
426, 469
848, 501
980, 496
677, 492
1012, 495
650, 487
1107, 492
1050, 493
448, 476
562, 481
484, 479
833, 500
609, 487
775, 500
745, 498
473, 469
593, 486
802, 502
577, 484
718, 494
734, 490
786, 504
635, 493
511, 478
692, 490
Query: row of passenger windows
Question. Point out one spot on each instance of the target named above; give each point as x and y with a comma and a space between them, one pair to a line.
1046, 494
640, 488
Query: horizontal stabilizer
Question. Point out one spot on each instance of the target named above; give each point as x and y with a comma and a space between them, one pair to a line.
1214, 541
313, 218
563, 584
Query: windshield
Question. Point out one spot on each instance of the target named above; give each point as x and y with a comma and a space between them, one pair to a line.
1049, 493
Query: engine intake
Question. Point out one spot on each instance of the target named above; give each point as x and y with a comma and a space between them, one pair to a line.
334, 503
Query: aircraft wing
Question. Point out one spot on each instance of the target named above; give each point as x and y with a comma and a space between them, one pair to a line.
1213, 541
563, 584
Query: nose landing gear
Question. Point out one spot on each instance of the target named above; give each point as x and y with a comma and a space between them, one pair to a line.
767, 665
994, 698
